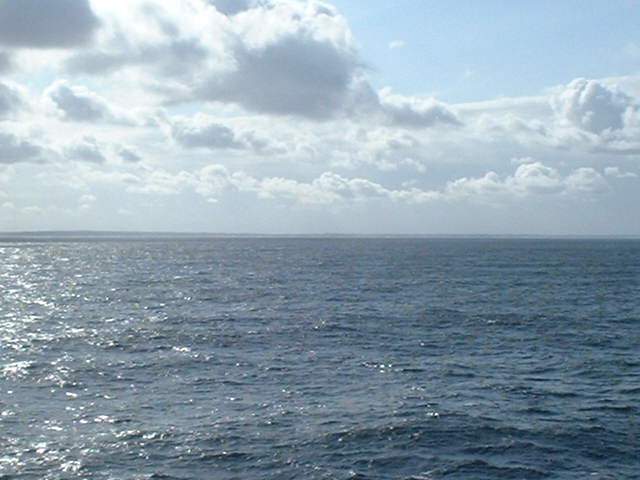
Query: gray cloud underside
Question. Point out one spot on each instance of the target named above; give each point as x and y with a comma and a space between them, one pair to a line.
175, 58
211, 135
294, 76
6, 63
10, 99
305, 77
416, 113
46, 23
203, 132
231, 7
14, 149
86, 150
128, 155
78, 105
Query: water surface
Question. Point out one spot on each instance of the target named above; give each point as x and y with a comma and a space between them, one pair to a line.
249, 358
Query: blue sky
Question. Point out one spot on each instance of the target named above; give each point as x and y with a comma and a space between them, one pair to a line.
302, 116
476, 50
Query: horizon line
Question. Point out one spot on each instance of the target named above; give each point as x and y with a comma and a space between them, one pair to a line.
88, 233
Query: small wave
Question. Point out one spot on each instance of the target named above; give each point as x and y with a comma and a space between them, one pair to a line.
17, 369
512, 448
226, 456
482, 470
610, 408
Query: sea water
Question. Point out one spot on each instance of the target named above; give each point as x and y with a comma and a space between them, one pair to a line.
320, 358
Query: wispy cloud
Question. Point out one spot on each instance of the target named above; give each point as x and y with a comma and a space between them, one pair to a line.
397, 44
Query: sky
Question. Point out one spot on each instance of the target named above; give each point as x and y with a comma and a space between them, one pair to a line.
308, 117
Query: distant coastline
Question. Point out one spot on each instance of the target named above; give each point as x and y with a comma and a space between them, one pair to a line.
150, 235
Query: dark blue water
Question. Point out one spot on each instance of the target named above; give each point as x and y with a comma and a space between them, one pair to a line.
320, 359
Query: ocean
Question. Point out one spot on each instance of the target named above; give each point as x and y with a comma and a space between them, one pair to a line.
320, 358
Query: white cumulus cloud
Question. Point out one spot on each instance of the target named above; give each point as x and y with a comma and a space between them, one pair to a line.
592, 106
415, 112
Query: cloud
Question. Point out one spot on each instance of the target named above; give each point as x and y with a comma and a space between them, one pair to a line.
168, 41
271, 57
415, 112
85, 202
384, 148
532, 180
128, 155
86, 149
285, 58
327, 188
46, 23
215, 179
586, 180
231, 7
295, 75
6, 63
78, 104
276, 90
535, 178
529, 179
594, 117
14, 149
615, 172
159, 182
169, 58
203, 131
11, 98
396, 44
592, 106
